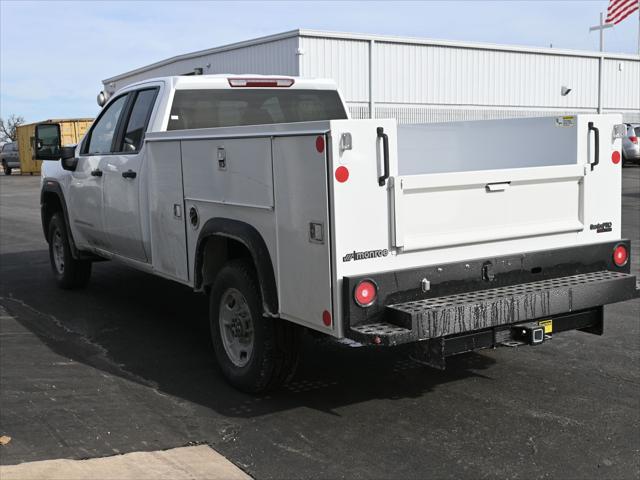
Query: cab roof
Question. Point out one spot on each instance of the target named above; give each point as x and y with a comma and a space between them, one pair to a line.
222, 81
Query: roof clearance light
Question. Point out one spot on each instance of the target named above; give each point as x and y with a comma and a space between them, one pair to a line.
261, 82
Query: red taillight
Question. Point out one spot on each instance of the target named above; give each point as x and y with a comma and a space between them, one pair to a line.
633, 139
326, 318
261, 82
365, 293
320, 143
620, 255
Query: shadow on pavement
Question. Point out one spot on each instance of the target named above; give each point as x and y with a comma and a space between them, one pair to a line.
154, 332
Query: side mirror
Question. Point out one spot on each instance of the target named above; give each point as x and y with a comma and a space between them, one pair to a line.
47, 141
68, 158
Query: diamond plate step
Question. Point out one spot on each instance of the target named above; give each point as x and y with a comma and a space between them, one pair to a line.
451, 314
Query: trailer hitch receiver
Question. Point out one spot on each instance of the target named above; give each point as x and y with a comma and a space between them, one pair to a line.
531, 333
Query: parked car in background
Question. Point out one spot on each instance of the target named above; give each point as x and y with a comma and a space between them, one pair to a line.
9, 157
631, 145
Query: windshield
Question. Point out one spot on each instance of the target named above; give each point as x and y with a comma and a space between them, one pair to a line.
229, 108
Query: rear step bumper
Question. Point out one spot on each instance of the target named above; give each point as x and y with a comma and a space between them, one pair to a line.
478, 310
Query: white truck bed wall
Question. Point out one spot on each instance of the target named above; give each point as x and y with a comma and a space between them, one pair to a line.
544, 195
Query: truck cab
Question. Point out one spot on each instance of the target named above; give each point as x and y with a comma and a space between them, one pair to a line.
262, 193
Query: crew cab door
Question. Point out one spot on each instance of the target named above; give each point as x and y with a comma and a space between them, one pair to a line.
86, 187
123, 178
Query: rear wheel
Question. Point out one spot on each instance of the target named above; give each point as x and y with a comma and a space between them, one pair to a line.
7, 170
68, 271
255, 353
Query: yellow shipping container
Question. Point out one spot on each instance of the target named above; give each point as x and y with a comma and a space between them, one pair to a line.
71, 131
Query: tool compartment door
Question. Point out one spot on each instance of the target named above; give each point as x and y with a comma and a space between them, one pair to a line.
166, 210
303, 236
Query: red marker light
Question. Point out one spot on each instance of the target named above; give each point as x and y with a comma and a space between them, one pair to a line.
620, 255
342, 174
615, 157
320, 144
365, 293
326, 318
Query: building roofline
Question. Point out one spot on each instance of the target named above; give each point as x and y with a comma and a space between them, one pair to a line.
461, 44
208, 51
376, 38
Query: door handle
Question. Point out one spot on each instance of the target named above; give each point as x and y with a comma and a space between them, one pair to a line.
385, 151
596, 159
96, 173
129, 174
497, 187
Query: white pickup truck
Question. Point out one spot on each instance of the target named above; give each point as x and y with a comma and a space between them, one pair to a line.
263, 194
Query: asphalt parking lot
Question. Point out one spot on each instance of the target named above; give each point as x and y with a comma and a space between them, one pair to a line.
126, 365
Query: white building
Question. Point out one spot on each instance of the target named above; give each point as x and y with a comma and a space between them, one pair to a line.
420, 80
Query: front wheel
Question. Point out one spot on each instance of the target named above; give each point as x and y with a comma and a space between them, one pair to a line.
69, 272
255, 353
7, 170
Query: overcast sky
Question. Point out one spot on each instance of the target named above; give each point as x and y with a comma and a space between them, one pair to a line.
53, 55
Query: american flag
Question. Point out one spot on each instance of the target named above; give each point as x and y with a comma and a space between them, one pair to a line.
620, 9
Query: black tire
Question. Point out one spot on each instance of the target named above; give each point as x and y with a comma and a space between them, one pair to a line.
7, 170
275, 352
70, 273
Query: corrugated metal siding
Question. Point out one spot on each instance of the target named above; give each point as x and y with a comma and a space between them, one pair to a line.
621, 80
273, 58
425, 74
345, 61
424, 82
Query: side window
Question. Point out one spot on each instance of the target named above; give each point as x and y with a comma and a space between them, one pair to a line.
105, 128
137, 122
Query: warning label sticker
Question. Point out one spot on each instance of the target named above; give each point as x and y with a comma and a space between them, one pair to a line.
547, 324
568, 121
